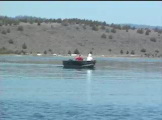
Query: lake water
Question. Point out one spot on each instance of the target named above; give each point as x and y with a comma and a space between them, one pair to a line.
38, 88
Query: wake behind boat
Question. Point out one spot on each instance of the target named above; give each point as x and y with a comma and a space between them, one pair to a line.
79, 64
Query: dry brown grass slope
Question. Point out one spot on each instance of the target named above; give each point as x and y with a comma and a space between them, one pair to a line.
60, 39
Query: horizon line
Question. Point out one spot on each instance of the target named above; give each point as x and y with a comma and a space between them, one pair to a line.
82, 19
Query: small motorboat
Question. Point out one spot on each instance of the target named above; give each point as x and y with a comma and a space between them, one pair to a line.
79, 64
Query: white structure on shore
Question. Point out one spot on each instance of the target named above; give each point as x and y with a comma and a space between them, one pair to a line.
55, 54
39, 54
73, 55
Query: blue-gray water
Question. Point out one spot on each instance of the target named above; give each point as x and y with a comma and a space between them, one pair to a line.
38, 88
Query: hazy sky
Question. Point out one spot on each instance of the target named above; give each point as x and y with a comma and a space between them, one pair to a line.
145, 12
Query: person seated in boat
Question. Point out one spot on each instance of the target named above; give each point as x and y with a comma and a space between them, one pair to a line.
89, 58
79, 58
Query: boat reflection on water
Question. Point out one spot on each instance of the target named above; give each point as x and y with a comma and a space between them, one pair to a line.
88, 86
82, 77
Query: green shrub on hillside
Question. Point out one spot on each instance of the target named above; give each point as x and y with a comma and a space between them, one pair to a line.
153, 39
121, 51
103, 36
10, 41
20, 28
107, 30
95, 28
103, 27
24, 46
3, 32
157, 51
143, 50
109, 50
110, 37
147, 32
140, 31
125, 27
45, 52
49, 50
113, 30
38, 23
8, 30
64, 24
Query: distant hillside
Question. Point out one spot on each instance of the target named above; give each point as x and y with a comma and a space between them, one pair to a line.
144, 26
23, 35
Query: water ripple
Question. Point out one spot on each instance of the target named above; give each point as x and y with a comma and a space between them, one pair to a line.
38, 88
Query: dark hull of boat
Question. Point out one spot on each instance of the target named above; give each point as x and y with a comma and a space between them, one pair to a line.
79, 64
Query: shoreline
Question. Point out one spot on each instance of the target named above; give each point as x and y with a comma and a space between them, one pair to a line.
84, 56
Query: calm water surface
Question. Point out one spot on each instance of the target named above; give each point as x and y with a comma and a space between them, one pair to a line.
38, 88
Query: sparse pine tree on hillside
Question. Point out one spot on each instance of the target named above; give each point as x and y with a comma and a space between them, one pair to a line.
69, 52
24, 46
76, 51
45, 52
49, 50
121, 51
